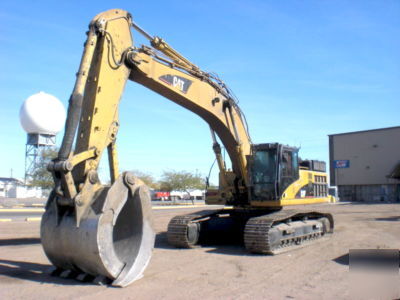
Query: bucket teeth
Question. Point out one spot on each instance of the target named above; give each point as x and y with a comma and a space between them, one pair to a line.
56, 272
102, 280
69, 274
84, 277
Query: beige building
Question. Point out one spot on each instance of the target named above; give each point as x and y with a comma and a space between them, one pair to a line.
365, 165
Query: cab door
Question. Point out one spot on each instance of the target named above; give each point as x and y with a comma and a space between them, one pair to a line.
288, 168
264, 172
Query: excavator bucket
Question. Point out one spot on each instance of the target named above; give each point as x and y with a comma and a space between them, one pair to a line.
114, 240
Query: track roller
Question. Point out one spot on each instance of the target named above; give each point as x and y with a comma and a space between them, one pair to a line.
286, 230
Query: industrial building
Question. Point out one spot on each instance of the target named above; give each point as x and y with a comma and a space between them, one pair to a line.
365, 165
14, 188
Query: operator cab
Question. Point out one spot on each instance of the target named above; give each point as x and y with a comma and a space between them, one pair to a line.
272, 169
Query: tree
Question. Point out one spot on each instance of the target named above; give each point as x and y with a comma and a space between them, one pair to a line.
41, 177
147, 178
182, 181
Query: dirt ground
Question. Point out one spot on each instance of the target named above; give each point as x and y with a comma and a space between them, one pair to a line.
319, 271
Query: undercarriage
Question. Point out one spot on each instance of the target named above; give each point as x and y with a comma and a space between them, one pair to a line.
261, 231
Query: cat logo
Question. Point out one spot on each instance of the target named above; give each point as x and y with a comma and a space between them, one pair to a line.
178, 82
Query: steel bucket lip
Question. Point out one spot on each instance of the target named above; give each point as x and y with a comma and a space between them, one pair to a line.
91, 248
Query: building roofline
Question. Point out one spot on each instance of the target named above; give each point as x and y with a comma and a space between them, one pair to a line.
11, 179
362, 131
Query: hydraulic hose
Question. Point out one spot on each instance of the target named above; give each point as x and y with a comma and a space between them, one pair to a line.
74, 109
76, 99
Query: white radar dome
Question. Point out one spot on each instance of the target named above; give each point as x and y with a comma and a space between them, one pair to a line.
42, 113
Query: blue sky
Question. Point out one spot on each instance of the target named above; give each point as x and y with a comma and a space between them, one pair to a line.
301, 69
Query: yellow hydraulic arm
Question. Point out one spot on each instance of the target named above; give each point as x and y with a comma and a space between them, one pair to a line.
195, 90
109, 60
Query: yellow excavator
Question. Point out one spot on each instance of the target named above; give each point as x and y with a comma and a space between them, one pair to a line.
103, 233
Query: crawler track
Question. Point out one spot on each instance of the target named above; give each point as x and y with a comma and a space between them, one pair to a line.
183, 231
285, 230
270, 233
178, 228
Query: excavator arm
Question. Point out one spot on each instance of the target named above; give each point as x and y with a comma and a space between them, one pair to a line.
102, 232
196, 91
92, 120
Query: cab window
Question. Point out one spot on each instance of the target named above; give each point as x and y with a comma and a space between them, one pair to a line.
289, 168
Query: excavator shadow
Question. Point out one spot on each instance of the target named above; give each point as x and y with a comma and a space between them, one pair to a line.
19, 241
32, 271
389, 219
229, 249
227, 246
342, 260
161, 241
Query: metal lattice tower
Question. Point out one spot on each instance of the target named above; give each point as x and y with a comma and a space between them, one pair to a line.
35, 144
